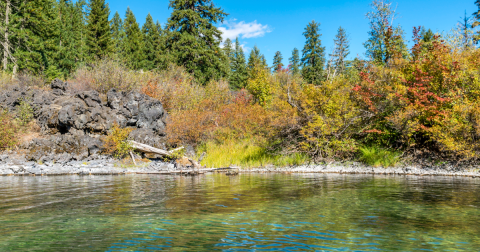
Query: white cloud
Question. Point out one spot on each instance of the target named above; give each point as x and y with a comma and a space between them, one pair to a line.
241, 29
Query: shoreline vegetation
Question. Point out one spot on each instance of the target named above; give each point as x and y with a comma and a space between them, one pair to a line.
401, 110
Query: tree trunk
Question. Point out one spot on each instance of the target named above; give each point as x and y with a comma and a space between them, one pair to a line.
6, 45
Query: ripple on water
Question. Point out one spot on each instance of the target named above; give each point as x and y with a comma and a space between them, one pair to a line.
251, 213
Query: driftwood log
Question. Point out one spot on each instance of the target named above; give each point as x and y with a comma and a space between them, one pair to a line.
152, 150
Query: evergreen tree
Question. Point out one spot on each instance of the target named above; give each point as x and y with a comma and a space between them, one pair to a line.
194, 40
476, 23
427, 35
98, 29
386, 41
229, 55
162, 54
341, 51
150, 37
133, 47
118, 34
264, 61
256, 59
239, 76
277, 61
71, 27
34, 35
313, 59
295, 62
228, 49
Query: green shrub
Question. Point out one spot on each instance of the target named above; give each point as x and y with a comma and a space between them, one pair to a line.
377, 157
116, 143
25, 112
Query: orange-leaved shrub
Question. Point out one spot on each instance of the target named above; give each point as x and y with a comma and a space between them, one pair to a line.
430, 102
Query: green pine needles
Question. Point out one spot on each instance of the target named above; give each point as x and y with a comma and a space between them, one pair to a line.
313, 59
98, 29
194, 40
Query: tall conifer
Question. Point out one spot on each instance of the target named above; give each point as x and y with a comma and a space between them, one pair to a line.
98, 29
34, 35
71, 28
194, 40
162, 53
150, 38
118, 34
341, 51
313, 59
277, 61
133, 52
239, 76
255, 59
229, 55
294, 62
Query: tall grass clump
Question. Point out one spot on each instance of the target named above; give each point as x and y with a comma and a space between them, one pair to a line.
376, 157
246, 154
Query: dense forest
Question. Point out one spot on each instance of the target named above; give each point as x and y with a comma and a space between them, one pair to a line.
397, 102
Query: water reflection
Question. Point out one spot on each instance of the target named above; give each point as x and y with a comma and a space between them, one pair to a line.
256, 212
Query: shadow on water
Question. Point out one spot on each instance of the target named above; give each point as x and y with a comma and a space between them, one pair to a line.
249, 212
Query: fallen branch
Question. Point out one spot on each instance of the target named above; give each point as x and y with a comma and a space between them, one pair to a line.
152, 150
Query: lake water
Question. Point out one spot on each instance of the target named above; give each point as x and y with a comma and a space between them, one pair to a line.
249, 212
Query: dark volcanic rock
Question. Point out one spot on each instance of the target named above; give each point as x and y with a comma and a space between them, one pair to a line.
73, 123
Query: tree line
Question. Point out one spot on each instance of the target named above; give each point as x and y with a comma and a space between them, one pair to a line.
54, 37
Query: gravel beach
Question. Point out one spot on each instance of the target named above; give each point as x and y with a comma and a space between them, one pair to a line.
11, 165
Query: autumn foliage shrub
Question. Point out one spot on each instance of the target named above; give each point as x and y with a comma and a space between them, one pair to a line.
116, 142
109, 73
8, 131
431, 101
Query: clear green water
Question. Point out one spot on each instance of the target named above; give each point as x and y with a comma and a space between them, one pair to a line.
254, 212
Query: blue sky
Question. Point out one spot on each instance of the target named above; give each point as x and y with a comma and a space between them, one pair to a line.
278, 25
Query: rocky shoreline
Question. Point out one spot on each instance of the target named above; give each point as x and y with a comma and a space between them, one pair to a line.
104, 165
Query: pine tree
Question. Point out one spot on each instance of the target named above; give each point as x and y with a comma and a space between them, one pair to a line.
341, 51
239, 76
133, 47
277, 61
313, 59
150, 37
386, 41
256, 59
427, 35
163, 57
295, 62
228, 49
34, 35
118, 34
264, 61
194, 40
476, 23
71, 27
98, 29
229, 55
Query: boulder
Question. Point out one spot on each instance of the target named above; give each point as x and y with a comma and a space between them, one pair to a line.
73, 122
